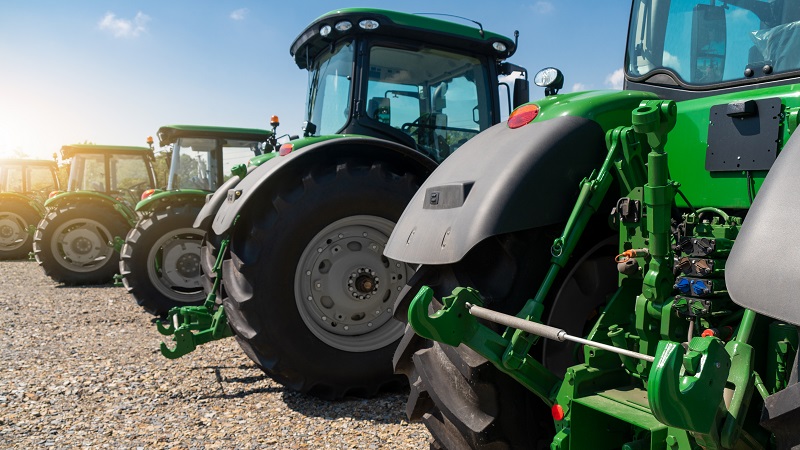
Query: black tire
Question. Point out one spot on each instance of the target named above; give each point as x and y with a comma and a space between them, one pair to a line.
463, 400
160, 261
87, 258
316, 339
15, 217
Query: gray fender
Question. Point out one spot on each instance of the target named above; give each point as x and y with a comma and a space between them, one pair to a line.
270, 174
501, 181
763, 270
213, 203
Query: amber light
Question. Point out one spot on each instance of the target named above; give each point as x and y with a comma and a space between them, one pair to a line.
523, 116
148, 193
274, 122
286, 149
53, 194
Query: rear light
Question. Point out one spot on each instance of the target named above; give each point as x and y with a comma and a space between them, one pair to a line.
286, 149
523, 115
54, 193
148, 193
558, 412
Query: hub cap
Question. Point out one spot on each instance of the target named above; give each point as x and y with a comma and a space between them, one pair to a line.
345, 287
13, 231
173, 265
82, 245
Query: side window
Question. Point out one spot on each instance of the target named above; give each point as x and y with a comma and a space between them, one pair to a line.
436, 97
129, 174
329, 99
11, 178
40, 178
92, 175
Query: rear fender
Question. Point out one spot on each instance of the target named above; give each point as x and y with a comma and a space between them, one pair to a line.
16, 197
91, 197
503, 180
272, 174
761, 272
164, 199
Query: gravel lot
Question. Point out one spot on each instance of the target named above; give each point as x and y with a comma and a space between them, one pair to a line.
80, 368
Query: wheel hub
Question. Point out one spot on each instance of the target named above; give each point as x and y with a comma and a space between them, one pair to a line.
188, 265
12, 231
362, 283
173, 265
6, 231
345, 287
81, 245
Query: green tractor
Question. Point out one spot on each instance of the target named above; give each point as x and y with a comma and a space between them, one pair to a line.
297, 244
24, 186
75, 241
160, 261
624, 276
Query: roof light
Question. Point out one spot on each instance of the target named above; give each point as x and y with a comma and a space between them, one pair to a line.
150, 140
286, 149
274, 122
148, 193
325, 30
523, 115
499, 46
369, 24
344, 26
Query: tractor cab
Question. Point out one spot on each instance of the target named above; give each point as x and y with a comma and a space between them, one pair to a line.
197, 160
377, 73
120, 172
31, 178
684, 49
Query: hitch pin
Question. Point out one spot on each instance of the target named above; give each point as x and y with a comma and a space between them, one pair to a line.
546, 331
175, 321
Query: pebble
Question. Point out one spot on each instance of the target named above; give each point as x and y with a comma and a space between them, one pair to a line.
81, 369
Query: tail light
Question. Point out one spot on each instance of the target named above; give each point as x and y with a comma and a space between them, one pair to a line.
523, 115
148, 193
286, 149
54, 193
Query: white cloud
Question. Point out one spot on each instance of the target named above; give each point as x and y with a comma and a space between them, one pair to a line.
577, 87
240, 14
124, 28
673, 62
615, 80
543, 7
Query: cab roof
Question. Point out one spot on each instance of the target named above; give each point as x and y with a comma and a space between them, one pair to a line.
68, 151
168, 134
398, 25
27, 162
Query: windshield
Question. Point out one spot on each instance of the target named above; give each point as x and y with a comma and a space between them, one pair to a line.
196, 161
41, 179
329, 84
438, 98
128, 174
704, 43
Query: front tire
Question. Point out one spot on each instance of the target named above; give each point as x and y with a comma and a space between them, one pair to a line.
310, 294
72, 244
15, 241
160, 261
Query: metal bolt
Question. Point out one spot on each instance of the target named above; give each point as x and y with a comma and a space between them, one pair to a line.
377, 312
324, 318
318, 285
308, 272
341, 235
369, 324
346, 328
364, 234
388, 310
319, 250
310, 298
717, 365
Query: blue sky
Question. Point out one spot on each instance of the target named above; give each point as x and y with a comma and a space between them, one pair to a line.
112, 72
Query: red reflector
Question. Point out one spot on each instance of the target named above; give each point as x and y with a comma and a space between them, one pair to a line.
523, 116
286, 149
558, 412
53, 194
148, 193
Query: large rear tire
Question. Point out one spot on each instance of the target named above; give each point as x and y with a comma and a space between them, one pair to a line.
15, 217
310, 294
462, 398
160, 261
72, 244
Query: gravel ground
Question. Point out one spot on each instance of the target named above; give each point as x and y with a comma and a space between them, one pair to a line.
80, 368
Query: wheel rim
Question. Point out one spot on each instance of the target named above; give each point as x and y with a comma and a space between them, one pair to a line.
173, 265
345, 287
13, 231
81, 245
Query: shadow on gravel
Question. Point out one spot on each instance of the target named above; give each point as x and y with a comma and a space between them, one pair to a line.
386, 407
84, 286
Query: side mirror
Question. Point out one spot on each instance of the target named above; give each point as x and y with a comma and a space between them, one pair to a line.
522, 92
708, 44
551, 79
